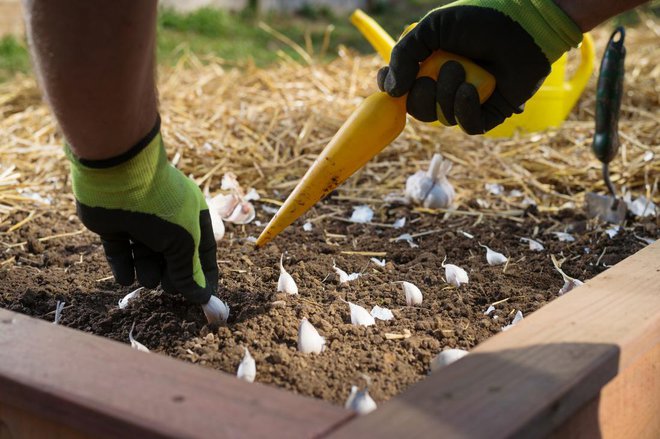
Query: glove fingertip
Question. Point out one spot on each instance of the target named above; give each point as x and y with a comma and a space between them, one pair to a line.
467, 109
380, 77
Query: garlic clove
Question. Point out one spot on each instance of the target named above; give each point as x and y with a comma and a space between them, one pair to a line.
360, 401
533, 245
309, 340
307, 227
343, 276
612, 231
216, 311
399, 223
408, 238
440, 196
570, 284
243, 213
359, 315
286, 283
247, 370
563, 236
516, 319
362, 214
413, 294
134, 343
59, 306
490, 309
217, 225
446, 357
123, 302
252, 195
493, 257
379, 262
417, 186
381, 313
455, 275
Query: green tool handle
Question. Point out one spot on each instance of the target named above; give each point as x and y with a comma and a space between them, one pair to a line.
608, 98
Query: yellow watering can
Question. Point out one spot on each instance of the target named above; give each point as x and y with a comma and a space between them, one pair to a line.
549, 107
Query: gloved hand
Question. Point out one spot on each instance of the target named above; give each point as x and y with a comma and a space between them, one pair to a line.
515, 40
151, 218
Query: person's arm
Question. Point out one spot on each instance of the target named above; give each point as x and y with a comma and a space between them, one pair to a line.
95, 62
588, 14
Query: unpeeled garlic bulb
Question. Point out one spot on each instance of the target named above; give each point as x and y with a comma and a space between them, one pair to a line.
413, 294
359, 315
446, 357
247, 370
286, 283
431, 189
309, 340
360, 401
216, 311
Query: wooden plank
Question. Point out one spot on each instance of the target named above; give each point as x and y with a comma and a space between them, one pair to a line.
528, 381
627, 407
102, 388
15, 423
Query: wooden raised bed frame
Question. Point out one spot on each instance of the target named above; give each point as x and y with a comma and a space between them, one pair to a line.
585, 365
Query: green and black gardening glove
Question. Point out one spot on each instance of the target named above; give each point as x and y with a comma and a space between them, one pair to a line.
153, 221
515, 40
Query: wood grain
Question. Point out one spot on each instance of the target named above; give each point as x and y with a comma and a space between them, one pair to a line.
102, 388
528, 381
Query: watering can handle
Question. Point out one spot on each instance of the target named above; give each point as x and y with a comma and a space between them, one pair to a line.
575, 86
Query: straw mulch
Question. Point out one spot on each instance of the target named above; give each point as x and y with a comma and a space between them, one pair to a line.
267, 126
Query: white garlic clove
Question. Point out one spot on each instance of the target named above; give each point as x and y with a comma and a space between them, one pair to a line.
440, 196
59, 306
516, 319
216, 311
343, 276
413, 294
446, 357
533, 245
494, 188
455, 275
362, 214
123, 302
417, 186
381, 313
408, 238
493, 257
243, 213
612, 231
379, 262
247, 370
360, 401
252, 195
309, 340
490, 309
359, 315
399, 223
307, 227
563, 236
217, 225
134, 343
286, 283
570, 284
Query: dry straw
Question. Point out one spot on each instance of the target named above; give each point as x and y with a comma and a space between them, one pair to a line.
268, 125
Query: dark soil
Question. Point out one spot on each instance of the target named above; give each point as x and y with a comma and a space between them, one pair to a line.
73, 269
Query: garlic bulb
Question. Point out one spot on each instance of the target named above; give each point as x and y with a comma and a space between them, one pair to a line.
247, 370
309, 340
413, 294
286, 283
360, 401
123, 302
493, 257
359, 315
455, 275
446, 357
134, 343
431, 188
216, 311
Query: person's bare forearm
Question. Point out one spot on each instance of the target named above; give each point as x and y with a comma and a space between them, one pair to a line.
587, 14
95, 64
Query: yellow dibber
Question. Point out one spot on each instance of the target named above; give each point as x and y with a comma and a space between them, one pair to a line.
372, 126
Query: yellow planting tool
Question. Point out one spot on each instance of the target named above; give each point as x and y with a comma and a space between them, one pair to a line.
372, 126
